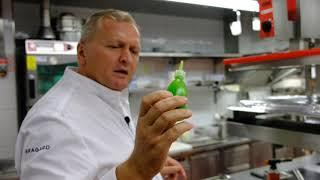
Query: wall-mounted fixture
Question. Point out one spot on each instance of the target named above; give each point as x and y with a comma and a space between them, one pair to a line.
256, 24
275, 21
235, 26
243, 5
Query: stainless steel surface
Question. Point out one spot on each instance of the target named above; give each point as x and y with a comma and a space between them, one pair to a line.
298, 174
55, 59
299, 99
221, 177
45, 31
56, 47
205, 164
283, 74
69, 27
274, 135
147, 6
284, 64
216, 144
302, 107
222, 132
50, 47
198, 142
251, 67
213, 144
8, 171
312, 73
8, 96
307, 162
282, 26
172, 54
1, 38
310, 27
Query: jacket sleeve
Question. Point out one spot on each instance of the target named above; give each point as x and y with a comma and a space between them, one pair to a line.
48, 149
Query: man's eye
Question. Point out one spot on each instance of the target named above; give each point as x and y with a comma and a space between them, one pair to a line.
133, 51
113, 46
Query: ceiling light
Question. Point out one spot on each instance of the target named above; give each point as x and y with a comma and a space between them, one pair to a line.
235, 26
244, 5
255, 24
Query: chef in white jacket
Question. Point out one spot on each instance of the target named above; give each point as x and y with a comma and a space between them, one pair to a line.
82, 128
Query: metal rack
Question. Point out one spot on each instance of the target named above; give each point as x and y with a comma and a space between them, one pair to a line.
304, 130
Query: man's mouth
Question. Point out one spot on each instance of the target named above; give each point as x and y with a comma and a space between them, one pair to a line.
124, 72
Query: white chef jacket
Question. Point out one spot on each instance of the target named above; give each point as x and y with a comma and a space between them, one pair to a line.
76, 131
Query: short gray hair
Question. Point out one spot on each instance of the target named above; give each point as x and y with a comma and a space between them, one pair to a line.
90, 26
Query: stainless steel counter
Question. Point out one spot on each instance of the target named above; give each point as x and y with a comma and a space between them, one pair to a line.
306, 162
212, 144
8, 172
217, 144
197, 147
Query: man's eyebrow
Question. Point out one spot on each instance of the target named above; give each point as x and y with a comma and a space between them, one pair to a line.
119, 41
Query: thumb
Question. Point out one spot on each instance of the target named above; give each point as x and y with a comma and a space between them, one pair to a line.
170, 170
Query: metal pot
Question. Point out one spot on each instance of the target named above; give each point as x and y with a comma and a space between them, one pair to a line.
69, 27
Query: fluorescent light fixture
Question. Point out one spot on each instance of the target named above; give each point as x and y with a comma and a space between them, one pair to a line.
255, 24
235, 28
243, 5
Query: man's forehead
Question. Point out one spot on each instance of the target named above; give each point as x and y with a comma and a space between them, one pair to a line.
107, 22
117, 32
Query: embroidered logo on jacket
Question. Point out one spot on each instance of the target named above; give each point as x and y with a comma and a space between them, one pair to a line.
37, 149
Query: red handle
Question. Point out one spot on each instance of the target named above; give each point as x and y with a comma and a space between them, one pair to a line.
273, 57
3, 61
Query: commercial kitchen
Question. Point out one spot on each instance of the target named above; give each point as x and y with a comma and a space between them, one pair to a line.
252, 74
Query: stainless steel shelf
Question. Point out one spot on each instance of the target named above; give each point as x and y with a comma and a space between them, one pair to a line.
56, 47
274, 135
187, 55
52, 60
269, 65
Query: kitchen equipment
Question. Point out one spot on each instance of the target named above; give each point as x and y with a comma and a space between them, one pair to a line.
302, 132
43, 63
3, 68
273, 173
261, 175
69, 27
8, 87
259, 93
45, 31
298, 174
220, 177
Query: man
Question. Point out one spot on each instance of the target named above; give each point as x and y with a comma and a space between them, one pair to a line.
81, 129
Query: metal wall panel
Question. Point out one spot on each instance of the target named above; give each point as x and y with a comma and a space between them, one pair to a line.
8, 101
310, 24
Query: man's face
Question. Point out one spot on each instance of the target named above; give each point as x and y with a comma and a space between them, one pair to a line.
110, 56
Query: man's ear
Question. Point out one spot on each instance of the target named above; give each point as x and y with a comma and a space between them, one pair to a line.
81, 53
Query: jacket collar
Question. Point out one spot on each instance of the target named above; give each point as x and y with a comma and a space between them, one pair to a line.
112, 97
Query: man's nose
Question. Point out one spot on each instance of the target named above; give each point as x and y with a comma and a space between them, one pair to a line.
125, 56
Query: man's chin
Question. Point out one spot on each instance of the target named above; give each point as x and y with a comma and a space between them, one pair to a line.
119, 86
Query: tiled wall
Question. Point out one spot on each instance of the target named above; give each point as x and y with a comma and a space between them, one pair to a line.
153, 74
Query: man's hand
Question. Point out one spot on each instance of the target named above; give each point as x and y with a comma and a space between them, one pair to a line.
172, 170
156, 131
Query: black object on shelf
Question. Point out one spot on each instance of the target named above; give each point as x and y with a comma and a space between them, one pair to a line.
279, 123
